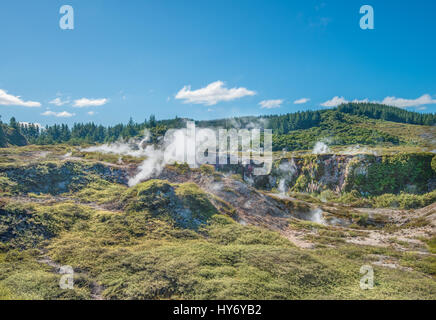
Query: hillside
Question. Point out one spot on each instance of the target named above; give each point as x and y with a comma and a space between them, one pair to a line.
206, 234
303, 231
349, 124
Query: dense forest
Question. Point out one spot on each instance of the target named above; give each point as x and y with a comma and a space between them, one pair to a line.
283, 124
292, 131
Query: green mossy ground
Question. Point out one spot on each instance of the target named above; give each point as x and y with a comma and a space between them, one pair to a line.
162, 240
138, 255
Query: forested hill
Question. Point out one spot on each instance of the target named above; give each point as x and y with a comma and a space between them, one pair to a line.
11, 135
341, 119
282, 124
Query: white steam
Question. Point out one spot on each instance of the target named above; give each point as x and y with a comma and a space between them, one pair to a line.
357, 149
316, 216
151, 166
321, 148
282, 186
187, 145
287, 170
171, 150
121, 148
132, 148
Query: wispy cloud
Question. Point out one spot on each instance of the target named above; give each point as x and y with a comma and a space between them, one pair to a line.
404, 103
425, 99
85, 102
212, 94
63, 114
91, 113
301, 101
7, 99
271, 104
335, 101
59, 102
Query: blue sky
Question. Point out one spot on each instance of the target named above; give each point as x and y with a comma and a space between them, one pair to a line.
210, 59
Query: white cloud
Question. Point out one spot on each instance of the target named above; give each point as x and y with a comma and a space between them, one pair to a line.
301, 101
58, 102
271, 104
404, 103
334, 102
91, 113
390, 101
10, 100
63, 114
85, 102
212, 94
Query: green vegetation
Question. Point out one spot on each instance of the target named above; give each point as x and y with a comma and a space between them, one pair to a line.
403, 178
338, 129
57, 177
391, 174
161, 239
135, 255
101, 192
388, 113
184, 204
23, 277
432, 244
108, 157
398, 201
348, 124
25, 225
10, 135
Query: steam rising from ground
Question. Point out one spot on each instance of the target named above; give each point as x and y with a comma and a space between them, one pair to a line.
121, 148
357, 149
321, 148
169, 152
177, 146
153, 165
156, 157
132, 148
287, 170
316, 216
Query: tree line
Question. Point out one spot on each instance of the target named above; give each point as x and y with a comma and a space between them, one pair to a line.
91, 133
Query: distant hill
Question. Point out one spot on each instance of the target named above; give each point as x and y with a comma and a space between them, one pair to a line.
282, 124
351, 123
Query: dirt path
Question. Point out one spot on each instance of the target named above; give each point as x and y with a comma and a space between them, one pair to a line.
96, 289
